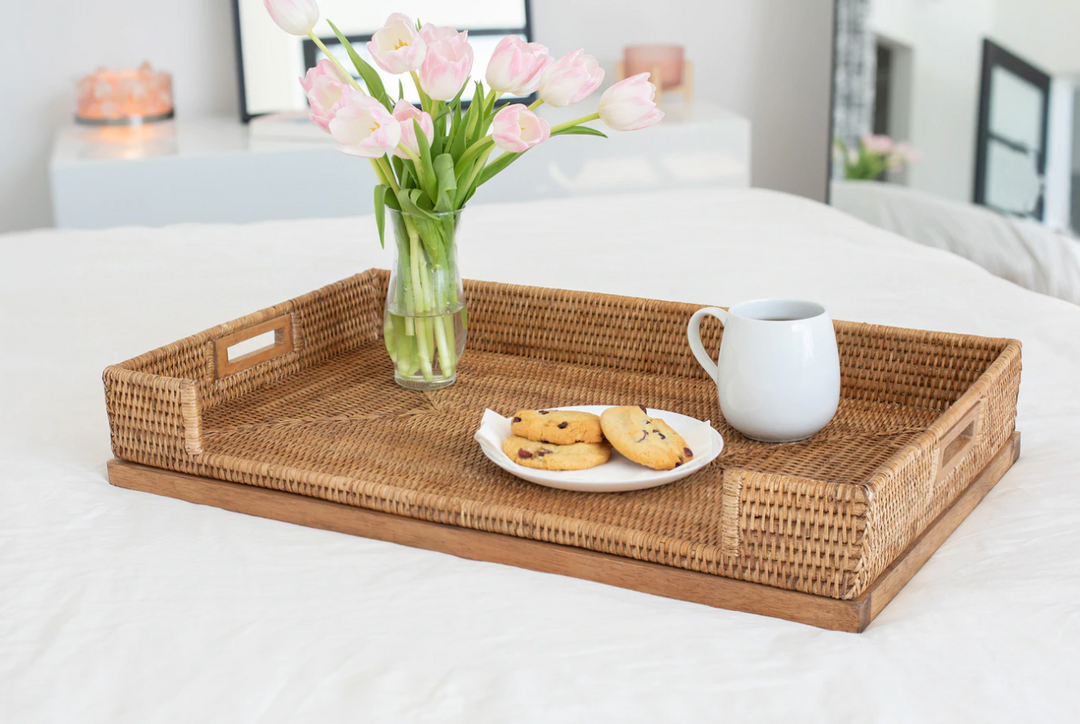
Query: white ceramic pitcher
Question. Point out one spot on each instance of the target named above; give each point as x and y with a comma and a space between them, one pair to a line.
778, 375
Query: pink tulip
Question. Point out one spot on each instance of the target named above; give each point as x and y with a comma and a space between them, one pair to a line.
447, 64
629, 106
404, 114
570, 79
295, 17
516, 66
515, 128
362, 127
323, 85
881, 145
901, 155
397, 47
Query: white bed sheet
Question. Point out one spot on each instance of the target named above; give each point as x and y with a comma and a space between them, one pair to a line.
117, 606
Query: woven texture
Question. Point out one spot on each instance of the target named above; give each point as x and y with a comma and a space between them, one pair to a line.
824, 516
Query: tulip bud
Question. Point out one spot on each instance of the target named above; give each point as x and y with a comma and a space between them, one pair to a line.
405, 113
447, 63
629, 106
397, 46
516, 66
362, 127
515, 128
296, 17
570, 79
323, 85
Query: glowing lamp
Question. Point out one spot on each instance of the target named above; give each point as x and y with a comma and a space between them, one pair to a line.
124, 97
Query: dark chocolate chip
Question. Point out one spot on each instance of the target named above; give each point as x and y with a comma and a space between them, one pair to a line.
662, 435
516, 419
525, 454
688, 452
542, 412
564, 425
541, 453
643, 409
678, 464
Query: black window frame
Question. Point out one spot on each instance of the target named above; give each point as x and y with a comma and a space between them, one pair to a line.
994, 55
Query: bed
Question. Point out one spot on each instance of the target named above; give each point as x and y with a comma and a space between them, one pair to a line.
119, 606
1024, 251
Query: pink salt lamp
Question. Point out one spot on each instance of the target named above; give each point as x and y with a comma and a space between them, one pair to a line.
124, 97
668, 59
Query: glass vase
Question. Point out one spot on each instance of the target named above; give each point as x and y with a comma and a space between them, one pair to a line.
425, 320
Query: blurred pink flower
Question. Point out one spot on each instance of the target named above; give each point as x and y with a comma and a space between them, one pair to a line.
447, 64
515, 66
362, 127
295, 17
516, 128
629, 106
397, 47
902, 155
323, 85
405, 113
881, 145
570, 79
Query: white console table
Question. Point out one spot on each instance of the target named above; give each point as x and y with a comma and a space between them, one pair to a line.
218, 170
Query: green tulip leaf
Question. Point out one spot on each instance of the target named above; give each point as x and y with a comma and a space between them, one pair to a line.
367, 73
578, 131
380, 212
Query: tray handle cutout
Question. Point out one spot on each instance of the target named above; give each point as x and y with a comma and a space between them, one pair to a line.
956, 443
280, 327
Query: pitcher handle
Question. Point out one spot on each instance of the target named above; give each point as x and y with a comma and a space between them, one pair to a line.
693, 332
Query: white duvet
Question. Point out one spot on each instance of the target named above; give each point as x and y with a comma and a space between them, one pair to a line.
118, 606
1025, 252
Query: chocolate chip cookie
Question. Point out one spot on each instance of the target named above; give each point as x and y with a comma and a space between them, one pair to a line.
547, 456
646, 440
560, 427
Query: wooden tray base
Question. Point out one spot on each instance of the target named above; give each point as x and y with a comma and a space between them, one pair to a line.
829, 613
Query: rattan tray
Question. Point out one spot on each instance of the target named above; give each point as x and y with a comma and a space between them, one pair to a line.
313, 429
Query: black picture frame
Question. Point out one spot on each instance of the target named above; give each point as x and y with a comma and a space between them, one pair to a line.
994, 55
310, 52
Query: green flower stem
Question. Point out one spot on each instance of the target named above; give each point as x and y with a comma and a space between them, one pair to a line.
417, 296
446, 353
386, 174
478, 167
575, 122
536, 104
412, 156
418, 165
425, 102
448, 323
330, 56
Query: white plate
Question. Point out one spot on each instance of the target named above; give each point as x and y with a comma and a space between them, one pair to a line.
616, 475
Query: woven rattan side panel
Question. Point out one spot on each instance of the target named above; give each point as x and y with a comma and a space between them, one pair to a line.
907, 495
636, 335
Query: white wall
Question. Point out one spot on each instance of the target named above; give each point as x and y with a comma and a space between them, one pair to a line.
766, 59
1042, 31
945, 39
